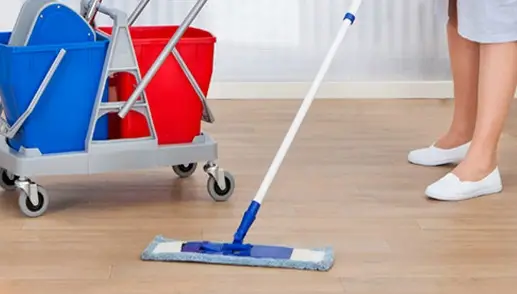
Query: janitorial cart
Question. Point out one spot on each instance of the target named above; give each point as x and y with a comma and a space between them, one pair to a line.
58, 115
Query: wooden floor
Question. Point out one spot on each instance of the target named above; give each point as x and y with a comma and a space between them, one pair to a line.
345, 183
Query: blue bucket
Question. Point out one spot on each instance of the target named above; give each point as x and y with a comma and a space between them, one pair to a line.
60, 120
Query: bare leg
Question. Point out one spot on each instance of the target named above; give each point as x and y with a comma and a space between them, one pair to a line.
497, 84
452, 147
464, 56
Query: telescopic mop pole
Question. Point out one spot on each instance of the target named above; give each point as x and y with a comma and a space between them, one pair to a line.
251, 213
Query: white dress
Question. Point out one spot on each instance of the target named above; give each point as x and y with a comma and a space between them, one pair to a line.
485, 21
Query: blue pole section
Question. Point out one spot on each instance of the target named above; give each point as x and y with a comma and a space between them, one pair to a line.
246, 222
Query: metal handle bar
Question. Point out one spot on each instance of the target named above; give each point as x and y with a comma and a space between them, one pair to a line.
162, 57
92, 6
89, 9
138, 10
207, 114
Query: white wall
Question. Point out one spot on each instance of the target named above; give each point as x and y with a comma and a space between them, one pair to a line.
270, 41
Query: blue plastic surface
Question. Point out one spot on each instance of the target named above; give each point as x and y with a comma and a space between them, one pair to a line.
246, 222
256, 251
60, 24
60, 121
350, 17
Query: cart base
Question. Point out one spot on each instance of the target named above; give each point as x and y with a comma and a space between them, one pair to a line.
17, 168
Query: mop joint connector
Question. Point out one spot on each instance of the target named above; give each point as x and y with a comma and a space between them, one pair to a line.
246, 222
350, 16
226, 249
237, 248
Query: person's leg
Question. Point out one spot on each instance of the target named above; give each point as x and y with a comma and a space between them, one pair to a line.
464, 61
497, 83
496, 28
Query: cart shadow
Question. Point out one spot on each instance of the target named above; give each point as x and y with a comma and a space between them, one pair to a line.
118, 194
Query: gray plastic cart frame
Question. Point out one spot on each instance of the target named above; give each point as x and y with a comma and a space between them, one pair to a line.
18, 167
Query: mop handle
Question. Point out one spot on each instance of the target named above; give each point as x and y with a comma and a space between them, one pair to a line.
306, 104
252, 211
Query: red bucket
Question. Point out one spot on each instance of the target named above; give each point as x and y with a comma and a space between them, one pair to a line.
175, 107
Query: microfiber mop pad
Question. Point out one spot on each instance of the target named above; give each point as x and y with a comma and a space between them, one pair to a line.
163, 249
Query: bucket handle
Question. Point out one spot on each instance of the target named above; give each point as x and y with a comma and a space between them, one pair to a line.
10, 131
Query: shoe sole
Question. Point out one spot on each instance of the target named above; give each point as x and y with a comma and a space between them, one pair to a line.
480, 193
437, 163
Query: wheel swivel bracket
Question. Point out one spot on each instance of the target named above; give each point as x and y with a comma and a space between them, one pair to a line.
213, 170
29, 188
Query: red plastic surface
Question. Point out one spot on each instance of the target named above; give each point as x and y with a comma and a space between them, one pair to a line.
175, 107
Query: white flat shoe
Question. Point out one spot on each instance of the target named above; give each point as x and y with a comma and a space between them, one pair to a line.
450, 188
434, 156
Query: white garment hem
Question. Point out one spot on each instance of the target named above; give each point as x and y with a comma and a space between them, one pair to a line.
489, 38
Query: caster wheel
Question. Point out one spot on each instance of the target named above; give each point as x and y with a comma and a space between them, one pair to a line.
184, 171
30, 209
216, 192
7, 180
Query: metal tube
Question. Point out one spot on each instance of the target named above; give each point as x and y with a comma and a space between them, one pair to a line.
132, 19
92, 10
41, 90
194, 12
206, 112
188, 73
138, 10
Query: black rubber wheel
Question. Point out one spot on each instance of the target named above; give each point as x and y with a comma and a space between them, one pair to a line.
7, 180
184, 171
34, 208
216, 192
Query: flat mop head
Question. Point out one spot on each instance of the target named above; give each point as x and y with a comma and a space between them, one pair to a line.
163, 249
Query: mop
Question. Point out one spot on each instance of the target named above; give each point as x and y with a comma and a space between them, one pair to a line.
238, 252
